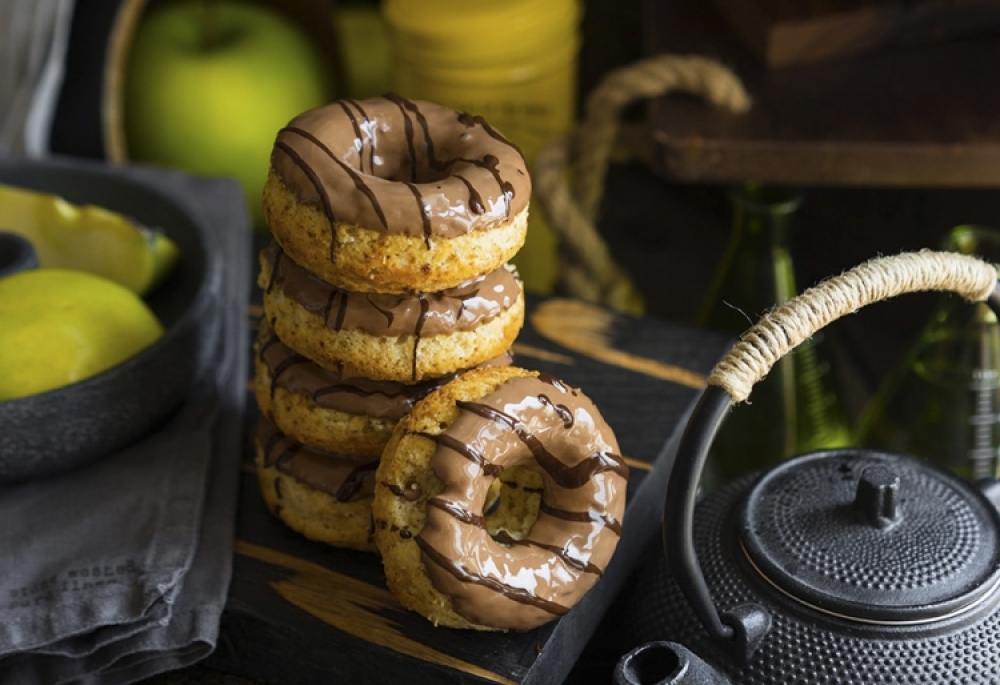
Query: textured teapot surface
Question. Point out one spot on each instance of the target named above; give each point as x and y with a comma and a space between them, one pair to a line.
873, 568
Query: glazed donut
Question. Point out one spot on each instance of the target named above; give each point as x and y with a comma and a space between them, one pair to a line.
389, 195
445, 555
386, 337
323, 495
320, 407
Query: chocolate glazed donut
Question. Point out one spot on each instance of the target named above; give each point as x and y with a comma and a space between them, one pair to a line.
537, 423
325, 409
392, 337
295, 373
438, 196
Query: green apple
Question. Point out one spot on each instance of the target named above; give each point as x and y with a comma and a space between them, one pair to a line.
209, 84
64, 325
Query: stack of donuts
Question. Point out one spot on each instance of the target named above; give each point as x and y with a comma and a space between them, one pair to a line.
389, 312
392, 224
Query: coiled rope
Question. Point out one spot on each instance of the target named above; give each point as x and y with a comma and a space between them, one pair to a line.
587, 269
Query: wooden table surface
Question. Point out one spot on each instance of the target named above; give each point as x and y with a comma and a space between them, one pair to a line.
919, 116
303, 612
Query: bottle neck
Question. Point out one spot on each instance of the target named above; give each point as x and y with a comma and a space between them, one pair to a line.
764, 214
756, 272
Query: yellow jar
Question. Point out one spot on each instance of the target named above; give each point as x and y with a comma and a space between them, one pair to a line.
511, 61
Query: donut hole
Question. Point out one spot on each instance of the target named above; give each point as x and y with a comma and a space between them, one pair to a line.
512, 504
395, 165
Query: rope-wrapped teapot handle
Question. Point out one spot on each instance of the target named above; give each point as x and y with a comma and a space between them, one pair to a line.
796, 320
732, 379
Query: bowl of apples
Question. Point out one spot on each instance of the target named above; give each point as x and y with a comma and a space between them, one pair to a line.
101, 326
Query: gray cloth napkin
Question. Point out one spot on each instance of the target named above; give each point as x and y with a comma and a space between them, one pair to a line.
119, 570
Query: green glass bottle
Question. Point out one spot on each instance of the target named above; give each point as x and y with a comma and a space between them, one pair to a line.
942, 402
797, 408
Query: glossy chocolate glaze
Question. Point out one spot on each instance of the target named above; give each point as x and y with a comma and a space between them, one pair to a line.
403, 167
462, 308
544, 425
328, 389
345, 477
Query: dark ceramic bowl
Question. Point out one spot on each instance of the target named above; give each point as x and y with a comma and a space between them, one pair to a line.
65, 428
16, 253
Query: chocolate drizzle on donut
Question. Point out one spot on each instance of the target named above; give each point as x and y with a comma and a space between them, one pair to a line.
355, 177
457, 512
461, 308
583, 517
463, 515
345, 477
317, 185
560, 409
359, 138
359, 133
514, 593
356, 481
295, 373
353, 158
475, 199
336, 295
424, 219
585, 566
467, 451
420, 315
408, 129
284, 366
490, 162
275, 453
537, 423
470, 120
406, 107
384, 311
565, 476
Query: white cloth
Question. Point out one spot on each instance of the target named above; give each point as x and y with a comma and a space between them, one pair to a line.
34, 38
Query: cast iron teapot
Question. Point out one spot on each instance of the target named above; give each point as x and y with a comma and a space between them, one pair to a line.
842, 566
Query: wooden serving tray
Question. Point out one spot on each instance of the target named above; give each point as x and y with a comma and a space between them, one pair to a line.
913, 117
782, 33
301, 612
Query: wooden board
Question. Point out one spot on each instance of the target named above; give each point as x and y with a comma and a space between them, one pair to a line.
300, 612
781, 33
914, 117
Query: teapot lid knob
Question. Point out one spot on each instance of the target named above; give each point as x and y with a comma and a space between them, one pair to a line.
877, 496
872, 536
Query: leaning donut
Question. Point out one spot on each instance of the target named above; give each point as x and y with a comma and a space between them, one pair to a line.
392, 195
446, 553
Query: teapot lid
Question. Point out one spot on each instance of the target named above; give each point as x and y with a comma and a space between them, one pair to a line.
872, 537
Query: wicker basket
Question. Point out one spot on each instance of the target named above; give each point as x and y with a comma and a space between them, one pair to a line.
315, 17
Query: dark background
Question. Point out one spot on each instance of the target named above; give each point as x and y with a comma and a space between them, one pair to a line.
668, 235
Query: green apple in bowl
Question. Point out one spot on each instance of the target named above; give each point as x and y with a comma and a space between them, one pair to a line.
209, 84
